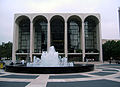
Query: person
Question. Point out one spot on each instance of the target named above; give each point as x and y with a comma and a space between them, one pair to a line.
23, 62
110, 61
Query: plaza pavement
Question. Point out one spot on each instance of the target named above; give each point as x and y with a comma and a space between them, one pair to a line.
104, 75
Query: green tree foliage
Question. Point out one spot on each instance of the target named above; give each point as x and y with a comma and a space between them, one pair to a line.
6, 50
111, 49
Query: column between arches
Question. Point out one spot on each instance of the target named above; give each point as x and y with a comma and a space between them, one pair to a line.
48, 36
31, 40
83, 42
66, 43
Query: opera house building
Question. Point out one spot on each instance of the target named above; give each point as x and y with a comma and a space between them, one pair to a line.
76, 36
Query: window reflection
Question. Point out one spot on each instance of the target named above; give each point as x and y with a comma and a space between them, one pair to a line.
40, 37
74, 37
90, 35
57, 34
24, 36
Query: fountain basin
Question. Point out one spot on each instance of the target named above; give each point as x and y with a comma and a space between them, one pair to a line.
50, 70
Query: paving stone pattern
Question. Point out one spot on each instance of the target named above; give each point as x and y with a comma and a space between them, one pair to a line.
104, 75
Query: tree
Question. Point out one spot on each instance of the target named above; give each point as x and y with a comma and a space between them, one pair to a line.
6, 50
111, 49
116, 51
108, 49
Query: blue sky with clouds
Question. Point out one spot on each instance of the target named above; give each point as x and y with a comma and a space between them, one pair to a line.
108, 10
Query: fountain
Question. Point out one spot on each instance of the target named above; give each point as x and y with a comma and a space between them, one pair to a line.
50, 59
49, 63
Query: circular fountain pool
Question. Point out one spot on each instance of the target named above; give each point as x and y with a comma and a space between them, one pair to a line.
49, 63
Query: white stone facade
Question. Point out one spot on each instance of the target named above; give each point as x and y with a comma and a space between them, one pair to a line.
65, 16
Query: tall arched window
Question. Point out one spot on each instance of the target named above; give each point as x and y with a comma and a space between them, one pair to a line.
57, 33
74, 29
91, 37
24, 34
40, 34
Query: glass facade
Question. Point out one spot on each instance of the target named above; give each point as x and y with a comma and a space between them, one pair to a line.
40, 37
24, 36
90, 35
74, 37
57, 34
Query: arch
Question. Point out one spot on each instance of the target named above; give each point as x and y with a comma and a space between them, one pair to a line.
19, 18
74, 34
91, 25
57, 17
23, 23
75, 17
92, 17
57, 32
40, 17
40, 33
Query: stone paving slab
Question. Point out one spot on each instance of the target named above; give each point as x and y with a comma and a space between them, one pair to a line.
118, 77
102, 73
13, 84
116, 67
20, 76
92, 83
103, 76
68, 76
110, 70
41, 81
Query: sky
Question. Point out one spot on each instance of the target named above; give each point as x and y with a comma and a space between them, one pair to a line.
108, 10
